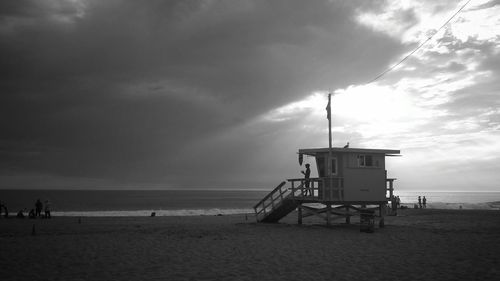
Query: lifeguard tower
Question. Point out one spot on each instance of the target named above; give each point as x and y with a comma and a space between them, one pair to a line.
350, 181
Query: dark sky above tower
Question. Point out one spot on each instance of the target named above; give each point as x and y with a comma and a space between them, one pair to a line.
222, 94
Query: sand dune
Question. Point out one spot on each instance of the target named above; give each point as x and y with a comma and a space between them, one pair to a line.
416, 245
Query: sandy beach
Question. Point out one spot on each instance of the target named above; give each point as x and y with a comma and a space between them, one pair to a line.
415, 245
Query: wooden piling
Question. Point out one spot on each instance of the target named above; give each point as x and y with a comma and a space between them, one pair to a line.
299, 215
328, 213
381, 223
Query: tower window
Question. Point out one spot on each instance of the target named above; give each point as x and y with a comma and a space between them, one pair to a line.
365, 160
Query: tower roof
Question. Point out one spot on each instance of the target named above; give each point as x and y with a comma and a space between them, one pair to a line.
316, 151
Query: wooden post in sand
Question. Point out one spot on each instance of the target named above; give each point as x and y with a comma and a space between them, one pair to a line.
299, 214
328, 213
347, 216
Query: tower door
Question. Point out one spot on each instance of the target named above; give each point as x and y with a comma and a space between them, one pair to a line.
328, 170
324, 167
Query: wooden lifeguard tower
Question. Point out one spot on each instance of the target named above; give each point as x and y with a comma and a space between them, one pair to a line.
350, 181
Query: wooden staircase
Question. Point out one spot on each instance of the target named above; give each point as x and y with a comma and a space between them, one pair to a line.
276, 205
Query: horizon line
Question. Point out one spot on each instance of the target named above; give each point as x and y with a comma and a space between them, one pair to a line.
207, 189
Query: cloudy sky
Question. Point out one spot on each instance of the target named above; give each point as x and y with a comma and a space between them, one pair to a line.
222, 94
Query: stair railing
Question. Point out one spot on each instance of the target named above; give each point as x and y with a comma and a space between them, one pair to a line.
271, 201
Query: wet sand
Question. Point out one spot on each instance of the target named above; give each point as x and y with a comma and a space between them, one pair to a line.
416, 245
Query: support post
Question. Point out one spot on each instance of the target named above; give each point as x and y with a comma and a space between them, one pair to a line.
347, 216
381, 223
391, 188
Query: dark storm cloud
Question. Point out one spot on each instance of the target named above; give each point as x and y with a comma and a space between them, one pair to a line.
116, 89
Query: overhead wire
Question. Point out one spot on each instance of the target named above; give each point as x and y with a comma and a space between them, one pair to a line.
419, 46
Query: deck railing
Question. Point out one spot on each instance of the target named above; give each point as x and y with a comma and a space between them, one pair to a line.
319, 189
299, 189
389, 186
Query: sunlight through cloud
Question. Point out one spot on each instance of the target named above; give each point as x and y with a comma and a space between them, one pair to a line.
310, 104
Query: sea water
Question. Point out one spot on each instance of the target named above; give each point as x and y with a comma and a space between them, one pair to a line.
199, 202
451, 200
134, 202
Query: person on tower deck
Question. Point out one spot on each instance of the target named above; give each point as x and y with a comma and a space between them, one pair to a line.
307, 175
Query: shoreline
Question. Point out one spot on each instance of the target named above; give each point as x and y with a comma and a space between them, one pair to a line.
250, 216
494, 206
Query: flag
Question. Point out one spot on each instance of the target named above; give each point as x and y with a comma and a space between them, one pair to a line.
328, 109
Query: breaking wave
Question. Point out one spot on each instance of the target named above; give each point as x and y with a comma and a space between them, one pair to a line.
142, 213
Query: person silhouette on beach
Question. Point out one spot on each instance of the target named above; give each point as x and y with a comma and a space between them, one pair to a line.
3, 208
424, 202
47, 209
20, 214
38, 208
307, 175
31, 214
420, 202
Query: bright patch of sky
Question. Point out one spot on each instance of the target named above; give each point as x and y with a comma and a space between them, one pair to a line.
396, 19
415, 107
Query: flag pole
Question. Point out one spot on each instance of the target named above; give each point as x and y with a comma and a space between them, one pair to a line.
329, 126
329, 116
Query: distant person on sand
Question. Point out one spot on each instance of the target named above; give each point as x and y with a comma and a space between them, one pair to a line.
307, 174
4, 209
424, 201
38, 208
47, 209
31, 214
20, 214
420, 202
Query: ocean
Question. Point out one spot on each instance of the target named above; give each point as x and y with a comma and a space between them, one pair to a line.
198, 202
452, 200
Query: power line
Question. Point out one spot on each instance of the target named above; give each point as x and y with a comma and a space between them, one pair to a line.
419, 46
